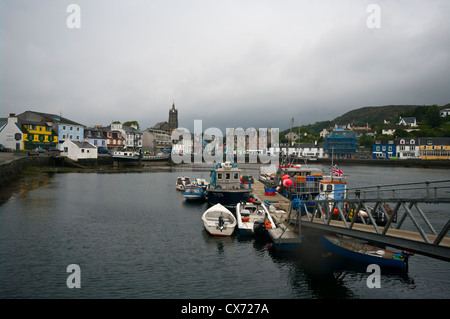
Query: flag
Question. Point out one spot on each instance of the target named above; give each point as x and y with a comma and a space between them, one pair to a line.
337, 171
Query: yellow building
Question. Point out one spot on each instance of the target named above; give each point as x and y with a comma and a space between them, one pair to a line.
434, 148
38, 134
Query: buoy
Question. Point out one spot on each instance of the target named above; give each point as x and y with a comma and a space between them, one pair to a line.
287, 182
335, 211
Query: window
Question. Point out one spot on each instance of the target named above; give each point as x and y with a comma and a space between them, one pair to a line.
66, 149
236, 175
227, 175
219, 175
78, 129
71, 128
82, 150
64, 127
31, 127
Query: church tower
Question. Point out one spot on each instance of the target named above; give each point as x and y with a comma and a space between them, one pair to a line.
173, 118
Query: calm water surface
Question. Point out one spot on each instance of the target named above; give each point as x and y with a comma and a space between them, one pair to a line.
134, 236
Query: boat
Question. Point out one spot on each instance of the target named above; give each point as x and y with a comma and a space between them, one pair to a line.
295, 181
219, 221
136, 156
194, 192
253, 218
155, 158
126, 156
182, 182
364, 253
226, 186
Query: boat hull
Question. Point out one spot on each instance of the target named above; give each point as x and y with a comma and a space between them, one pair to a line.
332, 244
229, 198
219, 221
249, 215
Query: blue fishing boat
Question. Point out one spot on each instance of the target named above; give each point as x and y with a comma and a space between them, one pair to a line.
364, 253
194, 192
226, 186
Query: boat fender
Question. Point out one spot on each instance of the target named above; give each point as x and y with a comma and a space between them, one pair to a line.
268, 225
245, 219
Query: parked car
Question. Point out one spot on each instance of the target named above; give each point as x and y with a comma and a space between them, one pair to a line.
39, 150
3, 148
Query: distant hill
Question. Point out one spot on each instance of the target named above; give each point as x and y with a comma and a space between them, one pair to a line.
373, 114
367, 114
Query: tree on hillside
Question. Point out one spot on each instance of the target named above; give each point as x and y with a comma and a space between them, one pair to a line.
432, 116
130, 123
366, 140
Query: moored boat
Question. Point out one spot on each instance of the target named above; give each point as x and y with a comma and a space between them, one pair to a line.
194, 192
364, 253
253, 218
226, 186
219, 221
125, 155
182, 182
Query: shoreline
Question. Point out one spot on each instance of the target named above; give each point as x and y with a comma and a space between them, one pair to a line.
15, 166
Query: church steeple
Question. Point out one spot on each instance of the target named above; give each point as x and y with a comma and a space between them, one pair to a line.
173, 118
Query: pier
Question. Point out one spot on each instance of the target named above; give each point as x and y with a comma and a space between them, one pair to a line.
408, 225
285, 234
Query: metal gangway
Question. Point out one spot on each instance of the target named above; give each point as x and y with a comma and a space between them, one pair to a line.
412, 216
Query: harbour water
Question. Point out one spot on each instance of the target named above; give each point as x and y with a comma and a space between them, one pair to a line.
134, 236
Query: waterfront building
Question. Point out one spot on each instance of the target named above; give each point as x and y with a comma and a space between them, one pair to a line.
11, 135
156, 140
309, 150
133, 137
76, 150
434, 148
38, 135
341, 143
384, 149
64, 128
407, 147
184, 144
95, 136
114, 139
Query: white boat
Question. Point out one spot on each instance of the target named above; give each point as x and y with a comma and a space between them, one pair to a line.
219, 221
182, 182
125, 155
253, 218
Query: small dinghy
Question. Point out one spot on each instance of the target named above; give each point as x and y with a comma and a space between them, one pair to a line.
219, 221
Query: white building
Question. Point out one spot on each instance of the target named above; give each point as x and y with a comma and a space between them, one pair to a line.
182, 141
10, 134
408, 121
445, 112
78, 150
407, 148
131, 134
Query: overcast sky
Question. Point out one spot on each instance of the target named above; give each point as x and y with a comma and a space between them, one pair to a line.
229, 63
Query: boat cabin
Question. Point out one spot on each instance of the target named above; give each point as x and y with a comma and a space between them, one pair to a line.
333, 188
226, 176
